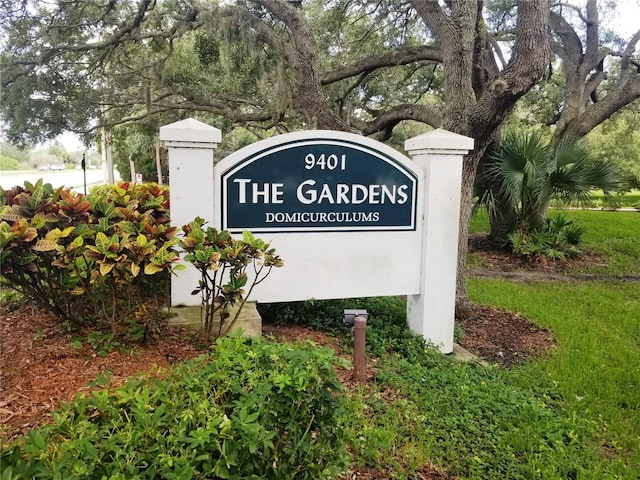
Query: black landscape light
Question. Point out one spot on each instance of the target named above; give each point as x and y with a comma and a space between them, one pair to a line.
349, 316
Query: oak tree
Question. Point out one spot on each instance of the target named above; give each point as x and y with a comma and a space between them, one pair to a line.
276, 65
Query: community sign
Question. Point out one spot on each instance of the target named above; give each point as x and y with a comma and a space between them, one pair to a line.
317, 181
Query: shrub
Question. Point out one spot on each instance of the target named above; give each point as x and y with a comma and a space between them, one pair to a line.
85, 257
558, 238
613, 202
8, 163
222, 262
387, 329
251, 409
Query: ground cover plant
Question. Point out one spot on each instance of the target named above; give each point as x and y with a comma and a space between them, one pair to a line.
595, 366
568, 413
250, 409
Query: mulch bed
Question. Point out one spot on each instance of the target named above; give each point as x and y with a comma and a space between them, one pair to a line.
502, 337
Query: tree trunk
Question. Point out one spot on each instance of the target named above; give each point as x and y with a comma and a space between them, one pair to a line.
480, 117
586, 105
464, 308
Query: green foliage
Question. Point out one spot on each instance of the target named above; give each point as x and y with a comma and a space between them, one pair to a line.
250, 409
223, 262
387, 330
82, 257
136, 142
12, 151
480, 423
8, 163
558, 238
525, 174
618, 141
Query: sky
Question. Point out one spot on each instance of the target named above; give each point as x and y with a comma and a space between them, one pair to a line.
628, 17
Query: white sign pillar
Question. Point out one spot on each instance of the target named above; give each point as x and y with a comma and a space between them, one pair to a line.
431, 313
190, 144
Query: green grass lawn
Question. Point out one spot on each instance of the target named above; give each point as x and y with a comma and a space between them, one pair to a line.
596, 365
598, 200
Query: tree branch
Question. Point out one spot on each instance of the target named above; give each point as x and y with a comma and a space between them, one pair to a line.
570, 46
597, 113
400, 56
390, 118
528, 63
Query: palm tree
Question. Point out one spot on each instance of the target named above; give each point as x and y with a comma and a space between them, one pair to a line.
525, 173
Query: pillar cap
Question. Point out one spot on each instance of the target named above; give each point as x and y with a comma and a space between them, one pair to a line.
190, 130
440, 140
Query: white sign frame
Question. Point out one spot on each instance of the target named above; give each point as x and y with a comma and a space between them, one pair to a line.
419, 263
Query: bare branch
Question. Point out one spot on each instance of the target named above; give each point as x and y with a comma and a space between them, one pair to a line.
571, 47
627, 57
574, 8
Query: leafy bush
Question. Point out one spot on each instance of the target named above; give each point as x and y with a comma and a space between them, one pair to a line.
387, 329
86, 257
222, 263
9, 163
251, 409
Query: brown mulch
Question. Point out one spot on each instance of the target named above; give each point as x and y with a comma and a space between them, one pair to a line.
40, 369
502, 337
499, 261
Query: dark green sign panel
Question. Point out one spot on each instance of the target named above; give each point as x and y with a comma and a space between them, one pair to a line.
319, 184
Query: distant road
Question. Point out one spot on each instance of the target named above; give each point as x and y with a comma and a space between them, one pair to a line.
57, 178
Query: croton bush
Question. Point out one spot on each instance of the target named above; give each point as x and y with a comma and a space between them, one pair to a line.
104, 257
222, 262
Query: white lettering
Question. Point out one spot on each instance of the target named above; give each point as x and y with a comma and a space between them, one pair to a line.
276, 192
355, 199
306, 196
264, 193
326, 194
342, 193
402, 194
242, 191
374, 194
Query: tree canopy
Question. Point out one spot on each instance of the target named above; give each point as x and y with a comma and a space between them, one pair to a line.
278, 65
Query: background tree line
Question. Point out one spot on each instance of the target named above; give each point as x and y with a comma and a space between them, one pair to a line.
384, 69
